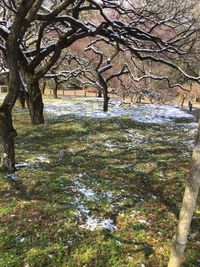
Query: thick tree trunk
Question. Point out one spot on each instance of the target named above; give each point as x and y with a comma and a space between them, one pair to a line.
7, 135
13, 41
187, 208
35, 104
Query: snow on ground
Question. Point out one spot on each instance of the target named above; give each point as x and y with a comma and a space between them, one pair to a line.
34, 162
92, 223
92, 107
84, 214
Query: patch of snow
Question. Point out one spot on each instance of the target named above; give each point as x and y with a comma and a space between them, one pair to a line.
43, 159
92, 223
92, 107
5, 29
23, 165
84, 213
88, 193
143, 222
109, 196
83, 209
81, 174
107, 224
12, 177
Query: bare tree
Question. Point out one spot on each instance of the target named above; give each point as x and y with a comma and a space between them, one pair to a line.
187, 208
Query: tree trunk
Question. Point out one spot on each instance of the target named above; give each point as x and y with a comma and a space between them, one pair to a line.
43, 86
106, 99
99, 93
22, 99
7, 135
35, 104
187, 208
55, 92
183, 100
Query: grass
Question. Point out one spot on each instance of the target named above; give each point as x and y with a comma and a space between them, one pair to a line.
135, 171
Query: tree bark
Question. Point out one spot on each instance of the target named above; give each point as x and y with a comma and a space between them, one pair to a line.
43, 87
22, 99
99, 93
106, 99
104, 87
55, 92
187, 208
183, 100
35, 103
13, 41
7, 135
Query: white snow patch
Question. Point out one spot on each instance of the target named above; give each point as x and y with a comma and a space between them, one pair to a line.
83, 209
87, 192
12, 177
109, 196
23, 165
92, 223
92, 107
43, 159
108, 224
84, 213
143, 222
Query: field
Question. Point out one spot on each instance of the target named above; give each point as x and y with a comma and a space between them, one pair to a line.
97, 190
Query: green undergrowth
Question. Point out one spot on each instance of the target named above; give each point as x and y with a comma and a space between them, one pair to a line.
134, 174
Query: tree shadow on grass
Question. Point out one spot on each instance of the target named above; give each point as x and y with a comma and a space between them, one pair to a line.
143, 247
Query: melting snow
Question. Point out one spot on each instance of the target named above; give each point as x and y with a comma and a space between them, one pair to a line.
43, 159
22, 165
143, 222
87, 192
92, 107
92, 223
12, 177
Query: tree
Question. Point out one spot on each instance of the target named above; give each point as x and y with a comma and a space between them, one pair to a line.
7, 131
187, 208
101, 69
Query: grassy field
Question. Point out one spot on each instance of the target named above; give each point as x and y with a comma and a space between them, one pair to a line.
95, 192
